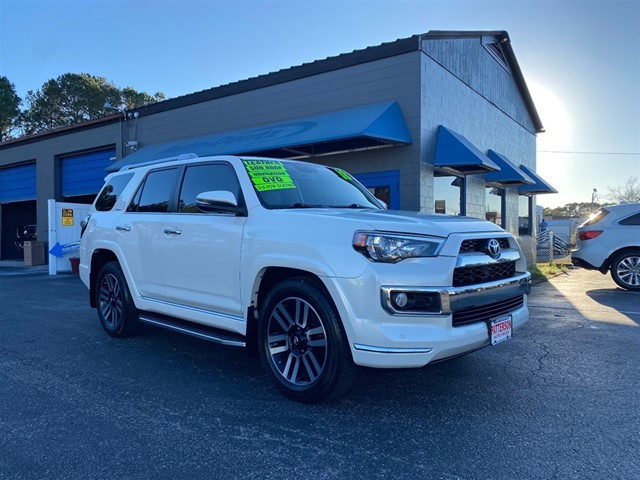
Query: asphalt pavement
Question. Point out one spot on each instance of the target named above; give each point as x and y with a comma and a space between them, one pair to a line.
558, 401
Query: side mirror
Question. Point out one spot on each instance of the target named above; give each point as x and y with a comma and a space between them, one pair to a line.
219, 201
384, 204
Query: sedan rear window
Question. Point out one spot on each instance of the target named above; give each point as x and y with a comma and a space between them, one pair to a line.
599, 215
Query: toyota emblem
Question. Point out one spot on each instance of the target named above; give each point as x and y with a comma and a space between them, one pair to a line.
493, 248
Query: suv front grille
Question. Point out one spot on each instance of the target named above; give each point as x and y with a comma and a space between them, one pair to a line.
463, 276
478, 245
486, 312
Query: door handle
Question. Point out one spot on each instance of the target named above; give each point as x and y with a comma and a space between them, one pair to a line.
172, 231
123, 228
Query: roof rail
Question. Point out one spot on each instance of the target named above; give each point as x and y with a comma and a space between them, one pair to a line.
182, 156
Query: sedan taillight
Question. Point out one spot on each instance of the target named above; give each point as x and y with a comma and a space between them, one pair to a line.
589, 234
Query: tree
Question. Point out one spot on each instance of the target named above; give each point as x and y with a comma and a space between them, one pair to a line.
131, 98
627, 193
75, 98
581, 209
9, 108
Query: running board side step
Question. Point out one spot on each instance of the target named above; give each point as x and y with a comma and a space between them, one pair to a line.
204, 332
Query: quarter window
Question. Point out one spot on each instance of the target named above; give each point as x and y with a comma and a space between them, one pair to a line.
205, 178
111, 191
632, 220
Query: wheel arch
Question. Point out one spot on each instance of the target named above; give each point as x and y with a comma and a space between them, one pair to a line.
267, 278
99, 258
606, 266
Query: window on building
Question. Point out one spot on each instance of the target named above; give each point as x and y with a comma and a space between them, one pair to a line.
206, 178
449, 194
525, 221
155, 194
496, 206
384, 186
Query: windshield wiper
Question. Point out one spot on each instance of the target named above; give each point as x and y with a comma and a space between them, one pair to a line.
307, 205
353, 205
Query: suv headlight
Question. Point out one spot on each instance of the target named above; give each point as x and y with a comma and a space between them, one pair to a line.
394, 247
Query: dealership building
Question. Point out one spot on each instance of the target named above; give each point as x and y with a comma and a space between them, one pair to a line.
441, 122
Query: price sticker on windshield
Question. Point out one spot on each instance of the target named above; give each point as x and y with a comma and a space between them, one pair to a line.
343, 174
268, 175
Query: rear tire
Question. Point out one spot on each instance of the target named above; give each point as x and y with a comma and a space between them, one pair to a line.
625, 270
302, 343
117, 313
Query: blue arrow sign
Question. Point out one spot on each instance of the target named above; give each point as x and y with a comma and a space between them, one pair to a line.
61, 250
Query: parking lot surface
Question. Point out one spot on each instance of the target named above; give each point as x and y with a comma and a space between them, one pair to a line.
559, 400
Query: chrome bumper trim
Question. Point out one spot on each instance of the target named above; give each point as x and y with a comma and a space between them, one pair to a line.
478, 295
480, 259
369, 348
458, 298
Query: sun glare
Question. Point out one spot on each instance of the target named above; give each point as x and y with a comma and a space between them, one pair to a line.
555, 118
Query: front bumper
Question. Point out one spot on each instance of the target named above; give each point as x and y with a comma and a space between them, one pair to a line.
382, 339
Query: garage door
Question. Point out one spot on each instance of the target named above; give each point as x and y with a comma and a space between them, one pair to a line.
18, 183
84, 174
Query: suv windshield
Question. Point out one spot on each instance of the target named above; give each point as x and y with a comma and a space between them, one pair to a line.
281, 184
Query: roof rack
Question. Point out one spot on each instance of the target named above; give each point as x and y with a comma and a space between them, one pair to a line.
182, 156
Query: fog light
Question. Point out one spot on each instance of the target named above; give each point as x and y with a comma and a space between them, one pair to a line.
400, 299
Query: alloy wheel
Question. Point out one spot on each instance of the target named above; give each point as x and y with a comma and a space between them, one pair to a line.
297, 341
111, 300
628, 270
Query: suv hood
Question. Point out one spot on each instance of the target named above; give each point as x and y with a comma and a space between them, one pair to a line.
404, 222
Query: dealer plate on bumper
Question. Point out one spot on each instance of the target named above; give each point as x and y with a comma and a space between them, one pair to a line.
500, 329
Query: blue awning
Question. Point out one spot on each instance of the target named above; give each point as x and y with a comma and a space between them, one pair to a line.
509, 173
360, 128
454, 152
539, 187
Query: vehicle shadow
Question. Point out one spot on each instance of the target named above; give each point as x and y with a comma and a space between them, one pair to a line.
624, 301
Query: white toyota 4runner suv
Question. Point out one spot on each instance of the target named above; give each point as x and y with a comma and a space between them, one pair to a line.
299, 262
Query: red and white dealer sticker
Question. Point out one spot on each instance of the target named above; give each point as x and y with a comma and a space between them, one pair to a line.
500, 329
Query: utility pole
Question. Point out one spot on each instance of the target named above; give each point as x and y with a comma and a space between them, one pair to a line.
593, 198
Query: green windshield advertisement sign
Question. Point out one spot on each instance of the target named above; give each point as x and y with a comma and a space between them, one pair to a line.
268, 175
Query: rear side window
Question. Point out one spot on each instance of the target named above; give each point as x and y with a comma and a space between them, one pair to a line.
632, 220
205, 178
155, 194
111, 191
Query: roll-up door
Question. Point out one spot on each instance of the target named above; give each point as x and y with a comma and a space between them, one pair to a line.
84, 174
18, 183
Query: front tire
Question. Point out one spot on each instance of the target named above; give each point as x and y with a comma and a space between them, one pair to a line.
625, 270
117, 313
302, 343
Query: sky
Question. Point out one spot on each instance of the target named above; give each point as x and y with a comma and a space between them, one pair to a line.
580, 58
